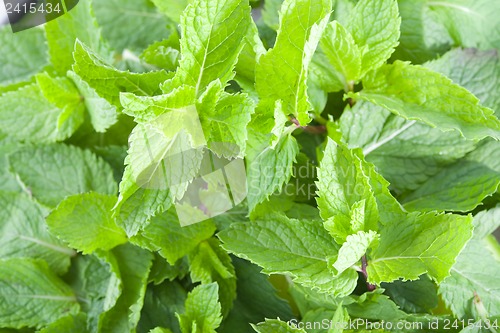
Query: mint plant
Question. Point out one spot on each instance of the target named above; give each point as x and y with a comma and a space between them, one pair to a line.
266, 166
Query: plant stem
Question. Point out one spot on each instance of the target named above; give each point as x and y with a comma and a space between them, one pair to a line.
309, 129
364, 264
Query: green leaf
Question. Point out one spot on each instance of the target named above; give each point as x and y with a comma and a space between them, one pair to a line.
31, 294
102, 114
162, 270
407, 153
346, 200
227, 123
282, 72
24, 233
53, 172
108, 82
477, 71
173, 241
23, 54
203, 311
62, 93
417, 93
172, 8
474, 273
419, 296
134, 264
256, 299
247, 60
161, 304
130, 24
323, 75
67, 324
8, 181
374, 25
470, 23
353, 249
79, 23
27, 115
300, 249
427, 243
375, 306
276, 326
164, 54
96, 280
423, 37
84, 221
209, 49
342, 52
463, 185
160, 163
210, 263
160, 330
272, 167
340, 317
270, 13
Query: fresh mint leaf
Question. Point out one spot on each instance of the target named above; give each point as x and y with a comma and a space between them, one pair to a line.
23, 55
53, 172
210, 263
27, 115
477, 71
130, 24
24, 233
79, 23
8, 181
416, 93
172, 8
301, 249
450, 190
173, 241
32, 295
96, 281
85, 222
108, 82
276, 326
161, 303
282, 72
270, 13
164, 54
203, 311
423, 36
346, 200
210, 50
469, 23
415, 243
270, 169
257, 299
73, 323
419, 296
375, 25
407, 153
102, 114
473, 275
342, 52
375, 306
351, 251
